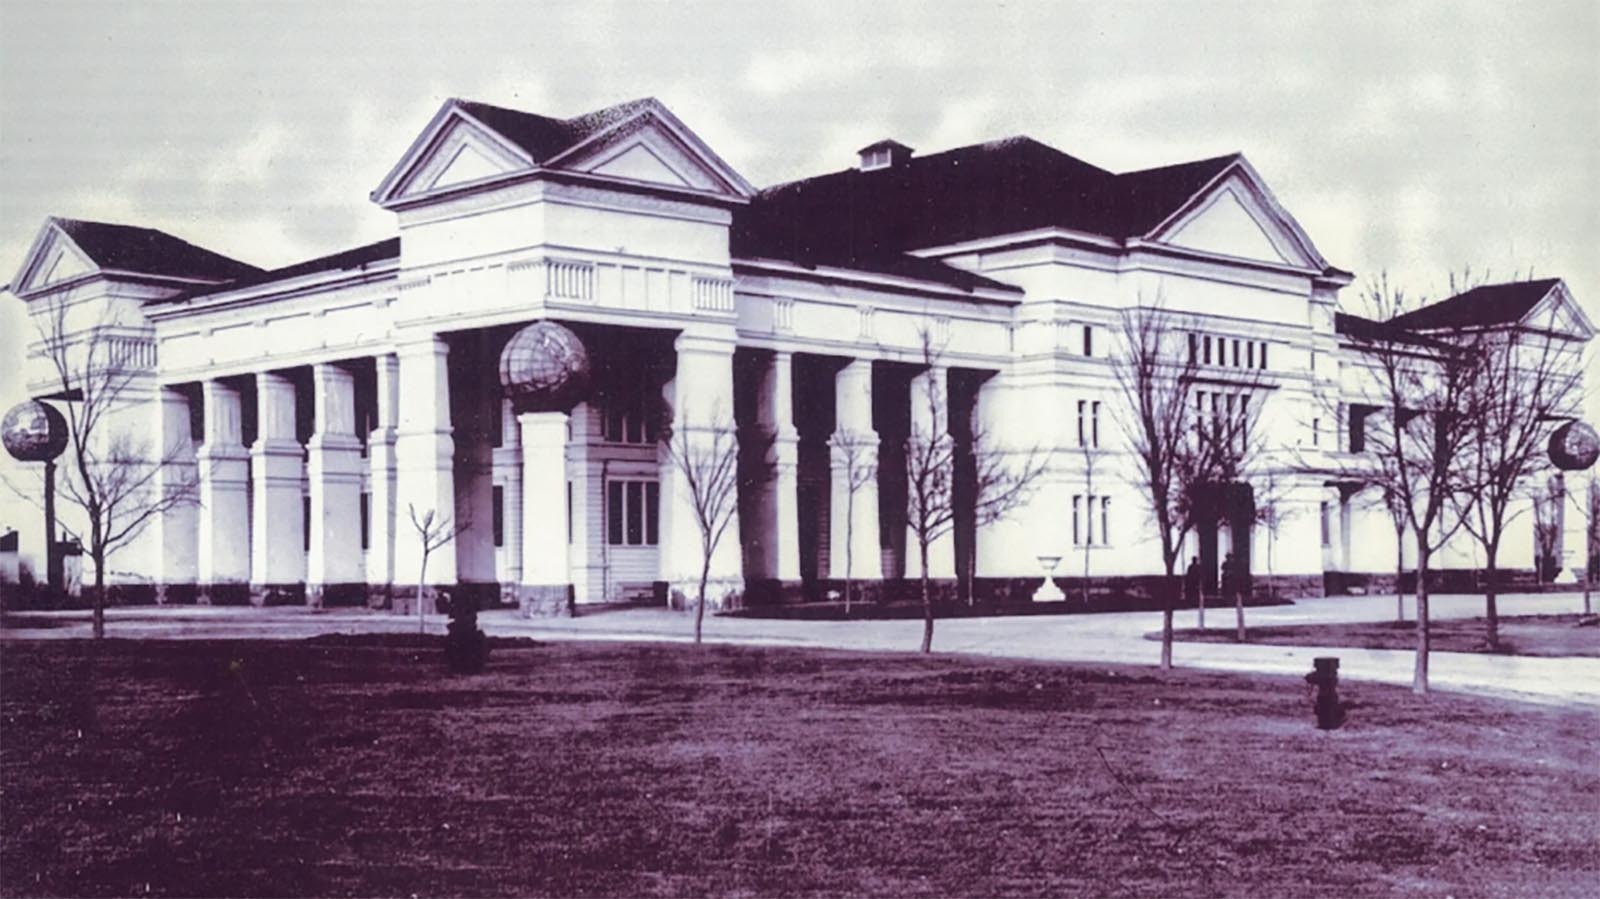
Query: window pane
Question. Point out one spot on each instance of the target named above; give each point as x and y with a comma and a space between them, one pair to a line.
499, 515
366, 521
1208, 349
634, 429
1076, 502
635, 513
652, 513
614, 513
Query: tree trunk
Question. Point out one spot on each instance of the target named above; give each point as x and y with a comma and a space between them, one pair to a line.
1490, 605
700, 603
927, 600
1419, 677
99, 595
1167, 588
849, 546
1399, 573
422, 580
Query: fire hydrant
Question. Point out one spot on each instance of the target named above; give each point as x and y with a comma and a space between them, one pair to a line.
1325, 677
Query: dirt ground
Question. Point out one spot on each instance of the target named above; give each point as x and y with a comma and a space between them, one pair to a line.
1529, 635
353, 766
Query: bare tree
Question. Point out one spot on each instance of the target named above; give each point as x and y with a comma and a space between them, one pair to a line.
433, 532
858, 452
1546, 528
1156, 377
707, 458
1426, 388
1000, 483
114, 478
1523, 384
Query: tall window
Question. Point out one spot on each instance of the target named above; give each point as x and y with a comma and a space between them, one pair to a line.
1316, 432
1236, 352
1105, 519
1327, 524
1194, 349
1094, 423
366, 521
1077, 511
628, 422
1208, 349
1081, 406
1250, 354
1088, 340
498, 515
632, 510
1262, 356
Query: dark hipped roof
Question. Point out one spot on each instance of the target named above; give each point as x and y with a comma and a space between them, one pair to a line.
1373, 331
354, 258
870, 220
1484, 306
544, 137
147, 251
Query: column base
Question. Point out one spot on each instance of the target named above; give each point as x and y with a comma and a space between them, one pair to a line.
278, 594
722, 594
545, 600
345, 595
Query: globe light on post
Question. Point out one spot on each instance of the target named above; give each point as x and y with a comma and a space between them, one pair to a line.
37, 432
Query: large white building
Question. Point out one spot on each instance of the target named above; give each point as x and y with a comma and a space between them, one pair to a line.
316, 405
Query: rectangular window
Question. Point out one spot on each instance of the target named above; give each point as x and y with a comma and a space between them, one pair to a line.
1094, 422
305, 520
635, 514
1081, 432
1327, 524
1263, 357
569, 513
1077, 503
632, 510
499, 515
652, 512
1194, 349
614, 513
366, 521
1105, 519
1250, 354
497, 426
1208, 349
1316, 432
1088, 520
1088, 340
1236, 352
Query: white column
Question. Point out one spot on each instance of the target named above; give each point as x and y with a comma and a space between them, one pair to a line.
508, 461
930, 409
381, 480
701, 398
586, 561
779, 517
334, 470
277, 537
224, 470
1574, 539
854, 435
546, 575
178, 527
424, 462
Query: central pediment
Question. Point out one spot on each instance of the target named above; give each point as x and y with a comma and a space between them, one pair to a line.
470, 146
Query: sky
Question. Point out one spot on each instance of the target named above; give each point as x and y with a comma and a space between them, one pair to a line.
1413, 138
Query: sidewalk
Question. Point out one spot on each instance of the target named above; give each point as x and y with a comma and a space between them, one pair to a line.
1115, 638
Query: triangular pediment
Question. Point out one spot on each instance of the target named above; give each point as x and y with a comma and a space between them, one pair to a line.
452, 152
53, 261
654, 147
1559, 313
1237, 217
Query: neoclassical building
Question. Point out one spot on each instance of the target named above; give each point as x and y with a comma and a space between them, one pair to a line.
319, 407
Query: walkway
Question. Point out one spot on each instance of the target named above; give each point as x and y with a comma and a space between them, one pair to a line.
1108, 638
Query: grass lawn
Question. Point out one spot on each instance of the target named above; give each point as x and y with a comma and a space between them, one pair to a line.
344, 767
1528, 635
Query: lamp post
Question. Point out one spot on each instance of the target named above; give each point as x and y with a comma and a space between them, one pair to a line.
37, 432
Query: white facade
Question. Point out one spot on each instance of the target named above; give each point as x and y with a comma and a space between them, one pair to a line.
319, 406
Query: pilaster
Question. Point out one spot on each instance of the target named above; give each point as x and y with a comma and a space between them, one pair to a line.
177, 527
381, 479
224, 473
424, 463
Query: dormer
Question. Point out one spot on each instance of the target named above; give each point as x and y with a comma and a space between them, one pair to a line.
883, 155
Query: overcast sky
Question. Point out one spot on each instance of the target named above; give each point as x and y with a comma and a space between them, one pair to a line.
1412, 137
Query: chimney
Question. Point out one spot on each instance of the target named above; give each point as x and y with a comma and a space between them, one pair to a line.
883, 154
